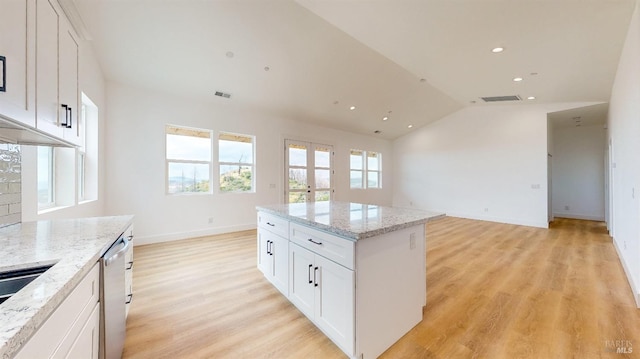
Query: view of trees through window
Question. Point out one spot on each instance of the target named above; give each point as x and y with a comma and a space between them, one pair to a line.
189, 161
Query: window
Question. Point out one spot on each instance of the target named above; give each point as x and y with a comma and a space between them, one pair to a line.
366, 169
235, 157
45, 177
188, 160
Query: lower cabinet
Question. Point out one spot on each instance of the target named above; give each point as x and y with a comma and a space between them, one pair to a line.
324, 291
273, 259
128, 271
72, 330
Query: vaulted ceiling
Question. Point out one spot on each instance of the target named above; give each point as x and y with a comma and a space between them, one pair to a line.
410, 61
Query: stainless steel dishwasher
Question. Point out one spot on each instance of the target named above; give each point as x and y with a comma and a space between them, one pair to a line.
112, 296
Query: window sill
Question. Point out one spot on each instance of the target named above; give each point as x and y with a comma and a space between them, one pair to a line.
51, 209
86, 201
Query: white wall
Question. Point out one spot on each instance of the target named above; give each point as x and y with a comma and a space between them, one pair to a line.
136, 163
624, 129
578, 172
93, 85
482, 162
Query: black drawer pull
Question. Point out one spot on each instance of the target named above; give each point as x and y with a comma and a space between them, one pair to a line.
129, 298
271, 224
314, 242
130, 266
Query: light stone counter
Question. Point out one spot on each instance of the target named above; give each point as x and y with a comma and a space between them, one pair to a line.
74, 245
353, 221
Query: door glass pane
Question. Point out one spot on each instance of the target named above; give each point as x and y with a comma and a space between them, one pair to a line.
372, 180
323, 196
297, 197
297, 155
297, 178
323, 157
323, 179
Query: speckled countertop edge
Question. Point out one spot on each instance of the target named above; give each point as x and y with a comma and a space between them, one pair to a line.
398, 223
73, 245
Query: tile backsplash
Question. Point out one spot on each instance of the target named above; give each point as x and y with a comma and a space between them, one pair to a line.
10, 184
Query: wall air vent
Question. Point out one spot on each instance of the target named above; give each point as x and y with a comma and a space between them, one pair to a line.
501, 98
223, 94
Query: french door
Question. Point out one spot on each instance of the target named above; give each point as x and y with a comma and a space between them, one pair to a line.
309, 172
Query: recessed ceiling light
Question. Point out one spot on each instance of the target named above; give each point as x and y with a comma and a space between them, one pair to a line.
410, 126
229, 54
472, 101
517, 79
266, 68
352, 108
533, 73
377, 131
385, 118
336, 102
423, 80
531, 98
496, 50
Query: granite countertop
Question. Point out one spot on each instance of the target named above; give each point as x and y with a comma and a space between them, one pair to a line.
353, 221
74, 245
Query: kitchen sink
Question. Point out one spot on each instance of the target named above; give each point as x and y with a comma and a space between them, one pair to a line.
12, 281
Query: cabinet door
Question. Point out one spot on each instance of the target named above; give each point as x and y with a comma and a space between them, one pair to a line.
69, 86
280, 257
263, 255
301, 285
17, 71
87, 344
47, 105
335, 303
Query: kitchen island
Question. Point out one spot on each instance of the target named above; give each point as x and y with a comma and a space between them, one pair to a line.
72, 246
357, 271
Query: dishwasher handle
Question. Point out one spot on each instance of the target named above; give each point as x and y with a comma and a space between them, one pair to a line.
122, 251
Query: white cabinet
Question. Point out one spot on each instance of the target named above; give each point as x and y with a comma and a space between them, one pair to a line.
57, 82
273, 259
73, 329
324, 291
17, 60
364, 295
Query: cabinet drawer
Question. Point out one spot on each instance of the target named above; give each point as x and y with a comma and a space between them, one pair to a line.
275, 224
337, 249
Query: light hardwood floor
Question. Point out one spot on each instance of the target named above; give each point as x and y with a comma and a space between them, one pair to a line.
493, 291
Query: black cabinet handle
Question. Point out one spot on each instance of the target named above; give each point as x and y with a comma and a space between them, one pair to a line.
66, 115
129, 298
309, 273
314, 242
271, 249
271, 224
130, 266
315, 279
70, 121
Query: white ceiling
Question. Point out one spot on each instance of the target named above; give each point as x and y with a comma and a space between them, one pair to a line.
369, 54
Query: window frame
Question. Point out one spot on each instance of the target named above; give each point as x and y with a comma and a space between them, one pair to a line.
251, 165
176, 160
365, 170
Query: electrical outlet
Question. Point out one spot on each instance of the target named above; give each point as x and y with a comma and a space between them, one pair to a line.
566, 208
535, 186
412, 241
210, 220
272, 185
486, 209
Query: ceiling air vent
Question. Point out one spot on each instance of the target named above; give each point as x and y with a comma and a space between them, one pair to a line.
222, 94
501, 98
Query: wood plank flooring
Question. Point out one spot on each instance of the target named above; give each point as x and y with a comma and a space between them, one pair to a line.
493, 291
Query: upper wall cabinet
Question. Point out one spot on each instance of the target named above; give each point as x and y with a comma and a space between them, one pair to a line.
17, 60
57, 81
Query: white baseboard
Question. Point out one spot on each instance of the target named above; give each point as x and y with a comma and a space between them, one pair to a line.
159, 238
634, 288
579, 216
